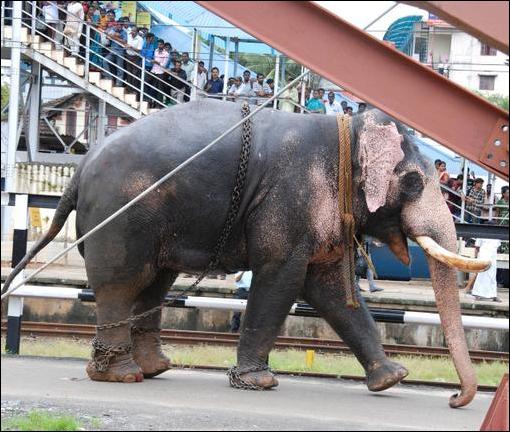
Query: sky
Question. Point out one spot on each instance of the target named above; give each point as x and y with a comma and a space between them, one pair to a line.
362, 13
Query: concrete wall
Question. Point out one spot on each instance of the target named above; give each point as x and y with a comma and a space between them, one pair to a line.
466, 64
45, 179
69, 311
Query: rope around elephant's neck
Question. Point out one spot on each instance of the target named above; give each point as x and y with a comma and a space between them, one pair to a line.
345, 208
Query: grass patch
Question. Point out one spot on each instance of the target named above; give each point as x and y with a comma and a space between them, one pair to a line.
41, 421
422, 368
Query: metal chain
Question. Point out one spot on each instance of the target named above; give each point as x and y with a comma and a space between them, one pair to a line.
142, 331
235, 203
102, 353
234, 376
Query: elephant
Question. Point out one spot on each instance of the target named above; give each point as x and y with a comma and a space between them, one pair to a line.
288, 231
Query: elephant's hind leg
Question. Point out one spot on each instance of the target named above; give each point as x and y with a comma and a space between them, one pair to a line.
112, 358
145, 333
355, 326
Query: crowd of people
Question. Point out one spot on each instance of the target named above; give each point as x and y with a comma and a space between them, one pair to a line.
120, 49
478, 201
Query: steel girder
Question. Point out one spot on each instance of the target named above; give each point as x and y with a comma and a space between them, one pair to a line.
379, 74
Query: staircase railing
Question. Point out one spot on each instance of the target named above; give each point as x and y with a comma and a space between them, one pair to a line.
140, 77
143, 83
491, 218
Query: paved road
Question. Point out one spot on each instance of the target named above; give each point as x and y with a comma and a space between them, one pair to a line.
202, 400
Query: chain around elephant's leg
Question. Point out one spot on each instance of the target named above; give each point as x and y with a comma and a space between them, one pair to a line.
112, 358
274, 288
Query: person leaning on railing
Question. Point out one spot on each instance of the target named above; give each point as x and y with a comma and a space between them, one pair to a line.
455, 201
474, 201
95, 49
74, 25
134, 63
176, 84
161, 57
149, 46
215, 84
118, 36
288, 96
50, 12
187, 66
503, 206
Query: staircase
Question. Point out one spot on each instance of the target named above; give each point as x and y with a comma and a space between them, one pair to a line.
34, 47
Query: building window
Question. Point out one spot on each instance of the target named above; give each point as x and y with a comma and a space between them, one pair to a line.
71, 123
487, 82
487, 50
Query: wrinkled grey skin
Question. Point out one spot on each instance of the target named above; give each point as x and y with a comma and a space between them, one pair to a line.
288, 230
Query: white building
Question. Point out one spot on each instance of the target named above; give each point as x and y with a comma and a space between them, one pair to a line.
460, 56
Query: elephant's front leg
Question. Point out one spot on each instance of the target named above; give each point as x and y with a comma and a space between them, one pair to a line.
355, 326
274, 288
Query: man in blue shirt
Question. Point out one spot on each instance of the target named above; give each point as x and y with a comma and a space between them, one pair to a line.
118, 37
149, 46
215, 84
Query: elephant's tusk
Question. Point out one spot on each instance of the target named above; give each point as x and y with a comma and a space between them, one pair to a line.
468, 265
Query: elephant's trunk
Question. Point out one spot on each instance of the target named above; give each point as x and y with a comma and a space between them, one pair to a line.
448, 306
429, 216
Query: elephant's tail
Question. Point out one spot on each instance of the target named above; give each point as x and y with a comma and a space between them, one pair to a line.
65, 206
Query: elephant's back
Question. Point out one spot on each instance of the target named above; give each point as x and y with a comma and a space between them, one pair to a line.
139, 154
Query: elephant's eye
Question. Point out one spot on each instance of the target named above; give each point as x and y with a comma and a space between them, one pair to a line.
411, 186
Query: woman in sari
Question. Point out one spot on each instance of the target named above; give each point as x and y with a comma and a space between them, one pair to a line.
95, 38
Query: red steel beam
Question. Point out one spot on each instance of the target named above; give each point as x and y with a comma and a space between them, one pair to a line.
378, 74
487, 20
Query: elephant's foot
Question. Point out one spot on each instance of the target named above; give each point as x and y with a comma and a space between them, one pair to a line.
383, 375
147, 352
113, 363
252, 380
121, 369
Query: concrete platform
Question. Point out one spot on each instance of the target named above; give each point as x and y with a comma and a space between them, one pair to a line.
412, 295
203, 400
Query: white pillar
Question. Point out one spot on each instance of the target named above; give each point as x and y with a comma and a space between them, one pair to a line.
33, 112
303, 88
464, 190
492, 181
276, 79
101, 121
13, 96
225, 68
196, 58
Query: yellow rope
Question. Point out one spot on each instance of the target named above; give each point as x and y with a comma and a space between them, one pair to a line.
345, 208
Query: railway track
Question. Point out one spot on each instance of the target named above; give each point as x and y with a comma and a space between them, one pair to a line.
187, 337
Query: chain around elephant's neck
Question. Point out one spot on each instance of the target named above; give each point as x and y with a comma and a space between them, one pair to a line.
345, 208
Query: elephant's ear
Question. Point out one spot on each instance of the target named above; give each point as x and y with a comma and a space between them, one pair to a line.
380, 152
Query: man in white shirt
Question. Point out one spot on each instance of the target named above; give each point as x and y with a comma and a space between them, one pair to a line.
261, 89
243, 283
484, 285
187, 66
133, 59
50, 12
332, 106
74, 25
245, 88
200, 75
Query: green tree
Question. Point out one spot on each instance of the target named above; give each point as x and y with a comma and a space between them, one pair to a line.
496, 99
5, 98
